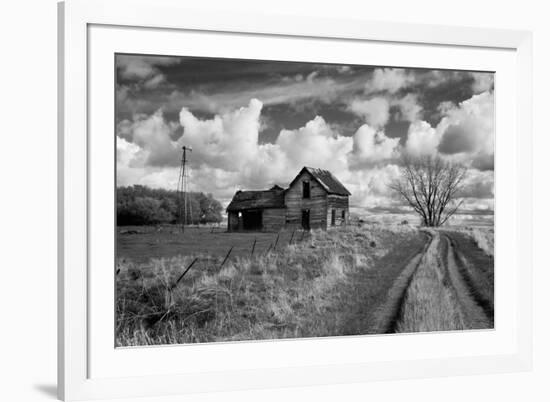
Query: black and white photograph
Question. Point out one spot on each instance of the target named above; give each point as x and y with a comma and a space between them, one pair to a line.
264, 200
275, 201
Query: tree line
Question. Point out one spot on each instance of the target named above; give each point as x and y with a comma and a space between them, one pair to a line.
142, 205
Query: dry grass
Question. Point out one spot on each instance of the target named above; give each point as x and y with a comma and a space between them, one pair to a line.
326, 283
484, 237
294, 291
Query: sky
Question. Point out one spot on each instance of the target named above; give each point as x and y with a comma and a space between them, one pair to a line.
252, 124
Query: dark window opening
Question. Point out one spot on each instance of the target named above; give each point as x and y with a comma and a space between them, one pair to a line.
305, 189
333, 217
343, 214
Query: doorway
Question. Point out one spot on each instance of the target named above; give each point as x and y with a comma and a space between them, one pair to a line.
305, 219
252, 220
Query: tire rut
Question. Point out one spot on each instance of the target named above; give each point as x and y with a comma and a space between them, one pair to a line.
479, 310
467, 305
389, 314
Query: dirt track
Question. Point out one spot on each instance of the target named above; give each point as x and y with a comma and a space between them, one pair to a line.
447, 286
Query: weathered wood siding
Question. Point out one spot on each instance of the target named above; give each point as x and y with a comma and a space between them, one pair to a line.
295, 203
273, 219
233, 221
338, 203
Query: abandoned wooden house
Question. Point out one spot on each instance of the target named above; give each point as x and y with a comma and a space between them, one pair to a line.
314, 199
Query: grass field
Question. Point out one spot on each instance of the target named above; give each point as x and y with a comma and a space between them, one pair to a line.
347, 281
307, 288
143, 243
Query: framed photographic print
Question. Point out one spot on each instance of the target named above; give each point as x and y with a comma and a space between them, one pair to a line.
247, 204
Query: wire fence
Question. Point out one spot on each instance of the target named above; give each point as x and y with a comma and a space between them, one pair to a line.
258, 246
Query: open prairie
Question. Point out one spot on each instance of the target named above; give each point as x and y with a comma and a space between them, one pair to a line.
207, 285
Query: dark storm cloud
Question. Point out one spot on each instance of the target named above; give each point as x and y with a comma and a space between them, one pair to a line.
304, 90
437, 87
215, 72
292, 93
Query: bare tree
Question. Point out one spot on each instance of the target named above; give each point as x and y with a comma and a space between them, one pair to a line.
431, 186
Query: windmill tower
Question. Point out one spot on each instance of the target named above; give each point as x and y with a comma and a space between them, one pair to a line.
185, 212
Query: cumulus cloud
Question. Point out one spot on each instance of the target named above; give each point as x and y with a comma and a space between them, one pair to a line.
482, 82
227, 154
153, 136
409, 107
154, 81
228, 140
389, 79
371, 146
221, 149
469, 129
124, 129
343, 69
316, 145
370, 187
126, 152
375, 111
385, 83
140, 66
422, 139
142, 70
227, 147
437, 78
132, 167
465, 133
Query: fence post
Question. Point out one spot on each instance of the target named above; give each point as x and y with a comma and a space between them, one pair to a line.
292, 237
277, 240
184, 272
253, 247
226, 257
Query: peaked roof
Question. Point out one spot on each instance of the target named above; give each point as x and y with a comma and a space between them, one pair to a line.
273, 198
326, 179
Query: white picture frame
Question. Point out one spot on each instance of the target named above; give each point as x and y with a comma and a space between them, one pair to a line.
79, 379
